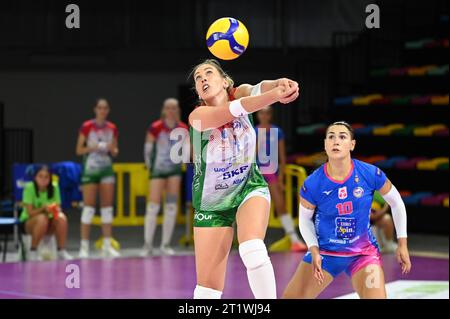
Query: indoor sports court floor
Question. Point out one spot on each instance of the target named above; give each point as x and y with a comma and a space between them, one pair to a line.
174, 276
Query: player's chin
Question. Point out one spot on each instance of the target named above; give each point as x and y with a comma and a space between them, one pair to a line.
208, 94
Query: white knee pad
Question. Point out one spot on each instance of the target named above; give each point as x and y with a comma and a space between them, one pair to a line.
170, 209
87, 214
107, 215
254, 254
206, 293
152, 209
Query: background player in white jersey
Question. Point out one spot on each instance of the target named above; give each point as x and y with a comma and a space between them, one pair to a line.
165, 174
334, 213
228, 185
267, 135
98, 144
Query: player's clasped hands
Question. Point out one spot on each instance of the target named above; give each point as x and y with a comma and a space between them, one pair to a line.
288, 90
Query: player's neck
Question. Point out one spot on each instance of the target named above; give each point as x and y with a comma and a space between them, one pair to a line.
100, 122
170, 122
219, 99
339, 169
265, 125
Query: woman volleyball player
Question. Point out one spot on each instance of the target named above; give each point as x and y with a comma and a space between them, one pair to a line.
228, 185
165, 175
97, 143
334, 215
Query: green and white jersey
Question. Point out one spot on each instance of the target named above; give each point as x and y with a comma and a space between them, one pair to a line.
225, 167
98, 161
161, 164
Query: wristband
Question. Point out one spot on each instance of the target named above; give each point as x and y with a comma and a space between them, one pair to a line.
236, 108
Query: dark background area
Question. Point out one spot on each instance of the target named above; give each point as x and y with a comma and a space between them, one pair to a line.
136, 54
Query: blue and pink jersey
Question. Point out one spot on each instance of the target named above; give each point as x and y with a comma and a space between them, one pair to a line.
342, 215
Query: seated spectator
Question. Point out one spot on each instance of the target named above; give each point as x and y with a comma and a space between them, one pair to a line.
384, 225
42, 214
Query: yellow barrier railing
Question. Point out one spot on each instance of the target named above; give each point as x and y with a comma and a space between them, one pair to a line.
138, 186
291, 171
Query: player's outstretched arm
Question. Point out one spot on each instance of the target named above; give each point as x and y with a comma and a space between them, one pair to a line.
205, 118
267, 85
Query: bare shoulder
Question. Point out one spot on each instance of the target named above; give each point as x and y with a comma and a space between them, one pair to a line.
243, 90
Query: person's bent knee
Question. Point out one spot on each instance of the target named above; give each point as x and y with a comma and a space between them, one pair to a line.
387, 219
62, 218
41, 220
107, 215
87, 215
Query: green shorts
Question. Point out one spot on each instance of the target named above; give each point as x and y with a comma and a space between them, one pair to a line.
105, 176
226, 218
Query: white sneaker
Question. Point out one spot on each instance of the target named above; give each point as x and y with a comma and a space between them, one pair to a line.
64, 255
33, 256
389, 247
110, 252
147, 251
84, 253
167, 250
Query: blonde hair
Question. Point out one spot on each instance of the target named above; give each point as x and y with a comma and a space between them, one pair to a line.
101, 99
215, 64
178, 111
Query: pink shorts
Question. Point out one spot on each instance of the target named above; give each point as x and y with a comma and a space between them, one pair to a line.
335, 263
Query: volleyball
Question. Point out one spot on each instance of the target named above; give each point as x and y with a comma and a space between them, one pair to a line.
227, 38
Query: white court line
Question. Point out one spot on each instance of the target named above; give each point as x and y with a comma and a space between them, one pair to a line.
412, 289
429, 254
24, 294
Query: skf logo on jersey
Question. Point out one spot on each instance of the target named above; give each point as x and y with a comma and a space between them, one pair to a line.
358, 192
342, 193
234, 172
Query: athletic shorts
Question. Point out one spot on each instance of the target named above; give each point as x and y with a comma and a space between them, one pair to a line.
226, 218
335, 265
105, 176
